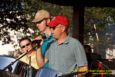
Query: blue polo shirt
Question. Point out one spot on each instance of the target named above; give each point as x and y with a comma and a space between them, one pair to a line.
45, 45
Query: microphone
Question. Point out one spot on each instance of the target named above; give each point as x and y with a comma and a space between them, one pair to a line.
36, 43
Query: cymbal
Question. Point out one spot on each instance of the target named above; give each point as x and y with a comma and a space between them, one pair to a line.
7, 74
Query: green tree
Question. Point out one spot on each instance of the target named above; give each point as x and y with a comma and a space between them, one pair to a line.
100, 17
16, 15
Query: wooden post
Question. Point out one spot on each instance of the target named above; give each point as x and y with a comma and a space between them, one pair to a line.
78, 22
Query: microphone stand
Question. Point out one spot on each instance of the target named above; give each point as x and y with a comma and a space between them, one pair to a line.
29, 68
9, 66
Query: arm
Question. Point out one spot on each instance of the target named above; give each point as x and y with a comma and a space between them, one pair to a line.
82, 68
39, 58
39, 38
81, 59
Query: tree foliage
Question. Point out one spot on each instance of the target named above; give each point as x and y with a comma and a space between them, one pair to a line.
11, 18
99, 15
16, 15
103, 19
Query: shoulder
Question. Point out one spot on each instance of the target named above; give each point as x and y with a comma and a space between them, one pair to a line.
75, 43
33, 52
73, 40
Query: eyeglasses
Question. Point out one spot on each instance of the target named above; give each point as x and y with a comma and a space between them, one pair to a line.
54, 27
25, 45
40, 21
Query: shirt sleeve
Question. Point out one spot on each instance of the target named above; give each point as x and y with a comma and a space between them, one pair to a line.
80, 54
47, 53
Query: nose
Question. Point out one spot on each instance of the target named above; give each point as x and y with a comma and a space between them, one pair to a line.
51, 30
37, 25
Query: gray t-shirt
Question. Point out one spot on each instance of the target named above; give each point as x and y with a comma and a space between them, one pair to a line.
67, 56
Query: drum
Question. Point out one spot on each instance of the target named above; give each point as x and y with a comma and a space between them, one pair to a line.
18, 68
49, 72
46, 72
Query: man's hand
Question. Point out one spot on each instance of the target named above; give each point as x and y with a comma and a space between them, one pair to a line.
39, 38
82, 68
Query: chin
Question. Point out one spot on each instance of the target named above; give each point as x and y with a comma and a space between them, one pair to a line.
56, 38
29, 49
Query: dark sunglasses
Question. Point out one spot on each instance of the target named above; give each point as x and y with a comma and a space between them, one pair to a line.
40, 21
52, 28
25, 45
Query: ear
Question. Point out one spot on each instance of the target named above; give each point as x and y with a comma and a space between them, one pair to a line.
48, 20
63, 28
20, 50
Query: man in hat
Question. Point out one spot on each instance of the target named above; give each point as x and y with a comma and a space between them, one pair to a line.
65, 54
42, 18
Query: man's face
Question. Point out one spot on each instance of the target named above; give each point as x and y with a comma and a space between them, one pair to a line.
57, 31
25, 45
41, 25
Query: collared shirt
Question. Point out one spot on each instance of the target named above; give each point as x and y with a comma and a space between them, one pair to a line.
33, 60
45, 45
67, 56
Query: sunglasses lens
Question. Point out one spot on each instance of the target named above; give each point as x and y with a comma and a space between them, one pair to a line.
25, 45
28, 44
39, 21
53, 28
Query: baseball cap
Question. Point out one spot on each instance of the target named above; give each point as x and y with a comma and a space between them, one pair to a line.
40, 15
59, 20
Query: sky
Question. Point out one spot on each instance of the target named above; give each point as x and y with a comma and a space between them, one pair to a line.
15, 35
5, 48
9, 47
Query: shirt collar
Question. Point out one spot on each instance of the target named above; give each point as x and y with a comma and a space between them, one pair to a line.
48, 38
66, 41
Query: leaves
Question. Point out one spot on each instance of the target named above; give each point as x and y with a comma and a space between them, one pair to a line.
104, 19
16, 17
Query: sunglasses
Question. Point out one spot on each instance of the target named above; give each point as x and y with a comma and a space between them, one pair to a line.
25, 45
40, 21
54, 27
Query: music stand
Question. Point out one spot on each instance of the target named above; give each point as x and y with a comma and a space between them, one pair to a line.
9, 65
